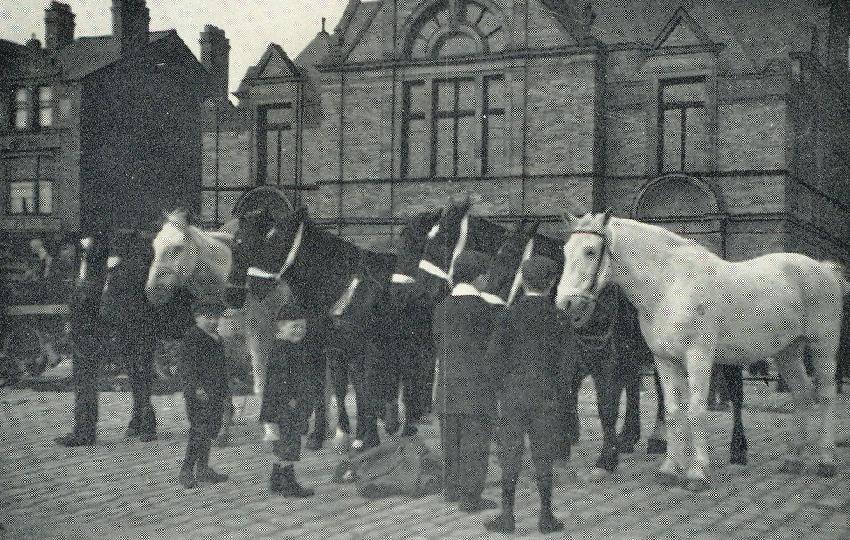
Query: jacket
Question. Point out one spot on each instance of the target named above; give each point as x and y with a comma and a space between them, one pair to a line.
203, 363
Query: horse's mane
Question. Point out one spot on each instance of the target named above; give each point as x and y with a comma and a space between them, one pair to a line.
673, 240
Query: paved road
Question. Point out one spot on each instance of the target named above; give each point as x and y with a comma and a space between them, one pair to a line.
126, 489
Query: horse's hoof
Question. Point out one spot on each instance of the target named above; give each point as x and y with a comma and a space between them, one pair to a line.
826, 470
656, 446
695, 484
341, 443
791, 466
667, 479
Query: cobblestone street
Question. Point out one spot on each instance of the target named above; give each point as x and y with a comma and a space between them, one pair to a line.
125, 489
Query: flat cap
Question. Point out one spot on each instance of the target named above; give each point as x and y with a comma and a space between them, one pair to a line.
469, 265
538, 272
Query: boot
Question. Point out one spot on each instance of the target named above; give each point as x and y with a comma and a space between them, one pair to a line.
314, 442
207, 474
187, 478
472, 504
73, 439
502, 523
549, 524
283, 482
148, 437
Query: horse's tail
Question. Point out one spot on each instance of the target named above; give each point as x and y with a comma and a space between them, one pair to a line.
841, 275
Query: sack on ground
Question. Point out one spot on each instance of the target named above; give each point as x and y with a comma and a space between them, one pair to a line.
405, 467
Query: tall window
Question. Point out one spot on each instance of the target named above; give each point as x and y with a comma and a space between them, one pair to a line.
32, 108
683, 126
29, 185
494, 137
453, 136
415, 161
276, 149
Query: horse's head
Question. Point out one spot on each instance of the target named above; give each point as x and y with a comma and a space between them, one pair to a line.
247, 241
266, 245
503, 276
587, 264
175, 258
413, 238
443, 243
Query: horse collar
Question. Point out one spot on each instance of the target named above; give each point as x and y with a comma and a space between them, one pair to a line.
253, 271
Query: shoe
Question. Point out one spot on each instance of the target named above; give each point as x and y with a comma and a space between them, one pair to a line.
283, 482
209, 475
147, 437
503, 523
471, 505
548, 524
73, 439
187, 479
131, 432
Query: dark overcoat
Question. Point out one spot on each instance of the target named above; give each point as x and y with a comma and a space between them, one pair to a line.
296, 371
203, 364
462, 326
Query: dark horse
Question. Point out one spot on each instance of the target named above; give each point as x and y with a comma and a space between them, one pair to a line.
610, 340
331, 276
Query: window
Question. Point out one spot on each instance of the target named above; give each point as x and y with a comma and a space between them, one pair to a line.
442, 134
225, 172
32, 108
415, 162
276, 149
453, 136
494, 137
30, 185
22, 107
45, 106
683, 126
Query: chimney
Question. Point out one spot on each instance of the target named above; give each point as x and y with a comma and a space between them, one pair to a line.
215, 57
130, 23
58, 26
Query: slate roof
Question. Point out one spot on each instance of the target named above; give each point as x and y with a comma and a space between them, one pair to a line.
76, 60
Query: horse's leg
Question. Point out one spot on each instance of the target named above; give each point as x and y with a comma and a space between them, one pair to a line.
673, 379
793, 372
572, 425
733, 375
698, 364
657, 442
223, 439
824, 366
339, 377
258, 320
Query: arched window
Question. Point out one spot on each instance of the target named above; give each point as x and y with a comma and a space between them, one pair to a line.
456, 28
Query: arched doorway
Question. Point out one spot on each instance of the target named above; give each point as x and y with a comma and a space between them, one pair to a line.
686, 205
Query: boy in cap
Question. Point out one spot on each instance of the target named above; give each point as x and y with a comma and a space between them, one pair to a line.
294, 381
467, 395
532, 351
203, 371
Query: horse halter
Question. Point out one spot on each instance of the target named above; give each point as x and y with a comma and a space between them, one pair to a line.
592, 291
428, 267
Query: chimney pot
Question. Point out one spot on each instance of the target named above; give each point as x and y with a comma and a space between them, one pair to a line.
58, 26
215, 57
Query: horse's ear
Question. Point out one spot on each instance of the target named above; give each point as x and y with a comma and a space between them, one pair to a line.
568, 218
607, 216
532, 227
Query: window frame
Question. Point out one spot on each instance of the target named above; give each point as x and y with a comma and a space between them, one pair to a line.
34, 106
263, 128
455, 114
36, 183
683, 107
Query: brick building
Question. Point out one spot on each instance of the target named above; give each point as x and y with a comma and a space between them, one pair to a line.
726, 120
101, 131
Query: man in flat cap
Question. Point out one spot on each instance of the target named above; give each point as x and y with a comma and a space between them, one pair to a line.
531, 350
466, 392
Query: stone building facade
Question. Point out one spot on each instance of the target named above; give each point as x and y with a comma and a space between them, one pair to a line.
99, 132
728, 121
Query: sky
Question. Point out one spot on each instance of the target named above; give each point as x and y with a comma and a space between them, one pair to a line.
249, 24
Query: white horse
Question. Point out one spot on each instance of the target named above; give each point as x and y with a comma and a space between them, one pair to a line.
188, 257
696, 309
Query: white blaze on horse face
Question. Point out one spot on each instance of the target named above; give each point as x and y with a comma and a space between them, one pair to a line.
529, 250
112, 261
434, 231
461, 243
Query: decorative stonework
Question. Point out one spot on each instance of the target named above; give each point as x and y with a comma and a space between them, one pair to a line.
456, 28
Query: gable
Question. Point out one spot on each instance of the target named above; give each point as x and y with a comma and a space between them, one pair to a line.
682, 31
275, 64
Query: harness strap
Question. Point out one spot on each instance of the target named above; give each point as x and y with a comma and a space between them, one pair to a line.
403, 279
526, 254
431, 268
344, 300
491, 298
594, 283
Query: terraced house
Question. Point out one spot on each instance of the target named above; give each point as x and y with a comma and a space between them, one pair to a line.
98, 132
724, 120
